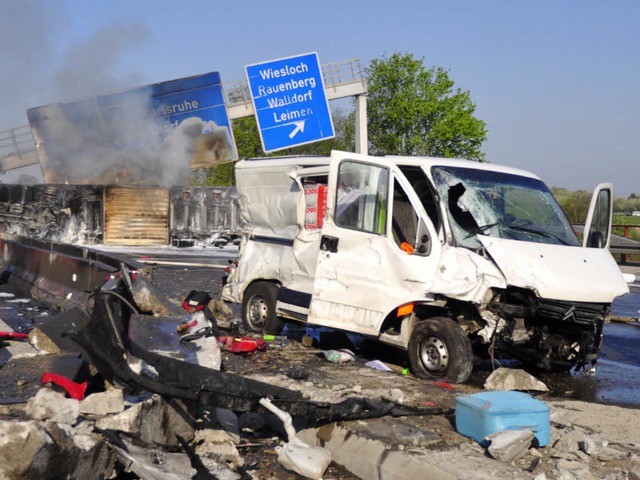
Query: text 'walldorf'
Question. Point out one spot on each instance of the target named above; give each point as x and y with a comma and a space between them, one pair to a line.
284, 93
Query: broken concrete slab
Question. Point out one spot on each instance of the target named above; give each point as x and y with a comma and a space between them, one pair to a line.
218, 445
26, 450
509, 445
48, 404
514, 379
85, 453
103, 403
570, 440
154, 421
378, 459
149, 299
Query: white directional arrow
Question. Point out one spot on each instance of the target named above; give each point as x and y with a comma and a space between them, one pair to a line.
299, 128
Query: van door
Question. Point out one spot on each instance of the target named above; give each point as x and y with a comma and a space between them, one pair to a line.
379, 249
597, 228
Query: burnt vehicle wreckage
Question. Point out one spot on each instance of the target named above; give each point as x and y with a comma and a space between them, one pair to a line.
105, 340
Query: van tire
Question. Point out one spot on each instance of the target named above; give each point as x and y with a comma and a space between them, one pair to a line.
440, 350
259, 308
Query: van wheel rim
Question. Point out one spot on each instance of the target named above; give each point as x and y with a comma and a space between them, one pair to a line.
257, 312
434, 354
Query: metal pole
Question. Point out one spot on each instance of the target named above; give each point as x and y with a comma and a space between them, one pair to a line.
362, 142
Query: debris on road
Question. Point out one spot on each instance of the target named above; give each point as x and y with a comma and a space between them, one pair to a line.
514, 379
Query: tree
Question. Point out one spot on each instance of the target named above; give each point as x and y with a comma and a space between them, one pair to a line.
574, 204
415, 111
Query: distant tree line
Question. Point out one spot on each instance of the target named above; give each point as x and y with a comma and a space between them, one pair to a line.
576, 205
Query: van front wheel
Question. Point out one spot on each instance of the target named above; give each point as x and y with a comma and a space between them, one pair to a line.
440, 350
259, 308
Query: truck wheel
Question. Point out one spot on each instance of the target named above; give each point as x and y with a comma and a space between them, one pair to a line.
259, 308
440, 350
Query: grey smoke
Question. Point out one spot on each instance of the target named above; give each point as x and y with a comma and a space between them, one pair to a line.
39, 71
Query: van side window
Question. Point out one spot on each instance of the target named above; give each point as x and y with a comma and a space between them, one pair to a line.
362, 197
420, 184
404, 220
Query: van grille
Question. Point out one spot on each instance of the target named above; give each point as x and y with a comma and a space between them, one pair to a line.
571, 312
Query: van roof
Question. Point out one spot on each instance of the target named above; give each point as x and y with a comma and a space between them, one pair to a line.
307, 161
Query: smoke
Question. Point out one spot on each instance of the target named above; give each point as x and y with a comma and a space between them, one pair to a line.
27, 28
120, 145
88, 67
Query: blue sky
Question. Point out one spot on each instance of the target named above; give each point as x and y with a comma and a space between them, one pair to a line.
557, 82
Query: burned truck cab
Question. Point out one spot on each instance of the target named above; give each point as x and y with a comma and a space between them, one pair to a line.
444, 258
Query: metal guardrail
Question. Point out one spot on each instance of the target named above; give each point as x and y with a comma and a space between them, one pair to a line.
16, 141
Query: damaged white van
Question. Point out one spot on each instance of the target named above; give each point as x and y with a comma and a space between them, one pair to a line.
444, 258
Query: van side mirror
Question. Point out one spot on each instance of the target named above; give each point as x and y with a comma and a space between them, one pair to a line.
423, 240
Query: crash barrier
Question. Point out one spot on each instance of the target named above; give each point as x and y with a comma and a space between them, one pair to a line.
59, 275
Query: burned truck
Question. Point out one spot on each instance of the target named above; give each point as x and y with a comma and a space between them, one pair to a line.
448, 259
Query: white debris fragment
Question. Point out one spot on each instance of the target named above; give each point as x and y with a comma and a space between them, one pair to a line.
296, 455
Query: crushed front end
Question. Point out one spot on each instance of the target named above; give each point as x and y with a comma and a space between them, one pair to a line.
550, 335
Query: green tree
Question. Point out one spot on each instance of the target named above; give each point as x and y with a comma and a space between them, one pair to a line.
575, 204
416, 111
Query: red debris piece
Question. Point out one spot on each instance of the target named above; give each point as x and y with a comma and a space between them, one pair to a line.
446, 385
14, 335
242, 344
75, 390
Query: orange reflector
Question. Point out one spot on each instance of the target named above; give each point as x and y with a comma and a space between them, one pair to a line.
405, 310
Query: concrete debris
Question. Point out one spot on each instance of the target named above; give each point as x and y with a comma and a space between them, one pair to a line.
31, 449
570, 440
514, 379
593, 445
218, 445
154, 421
394, 395
48, 404
26, 449
509, 445
103, 403
150, 299
296, 455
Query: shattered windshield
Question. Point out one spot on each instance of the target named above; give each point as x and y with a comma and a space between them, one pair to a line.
500, 205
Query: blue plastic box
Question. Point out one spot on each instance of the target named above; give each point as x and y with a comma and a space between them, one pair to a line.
482, 414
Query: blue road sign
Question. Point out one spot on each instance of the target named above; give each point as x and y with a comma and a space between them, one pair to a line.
290, 102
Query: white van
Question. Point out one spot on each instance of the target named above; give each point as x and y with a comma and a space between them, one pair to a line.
445, 258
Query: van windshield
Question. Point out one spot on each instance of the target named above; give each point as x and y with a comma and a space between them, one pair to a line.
500, 205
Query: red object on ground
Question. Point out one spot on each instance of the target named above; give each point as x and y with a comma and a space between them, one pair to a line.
242, 344
75, 390
446, 385
14, 335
